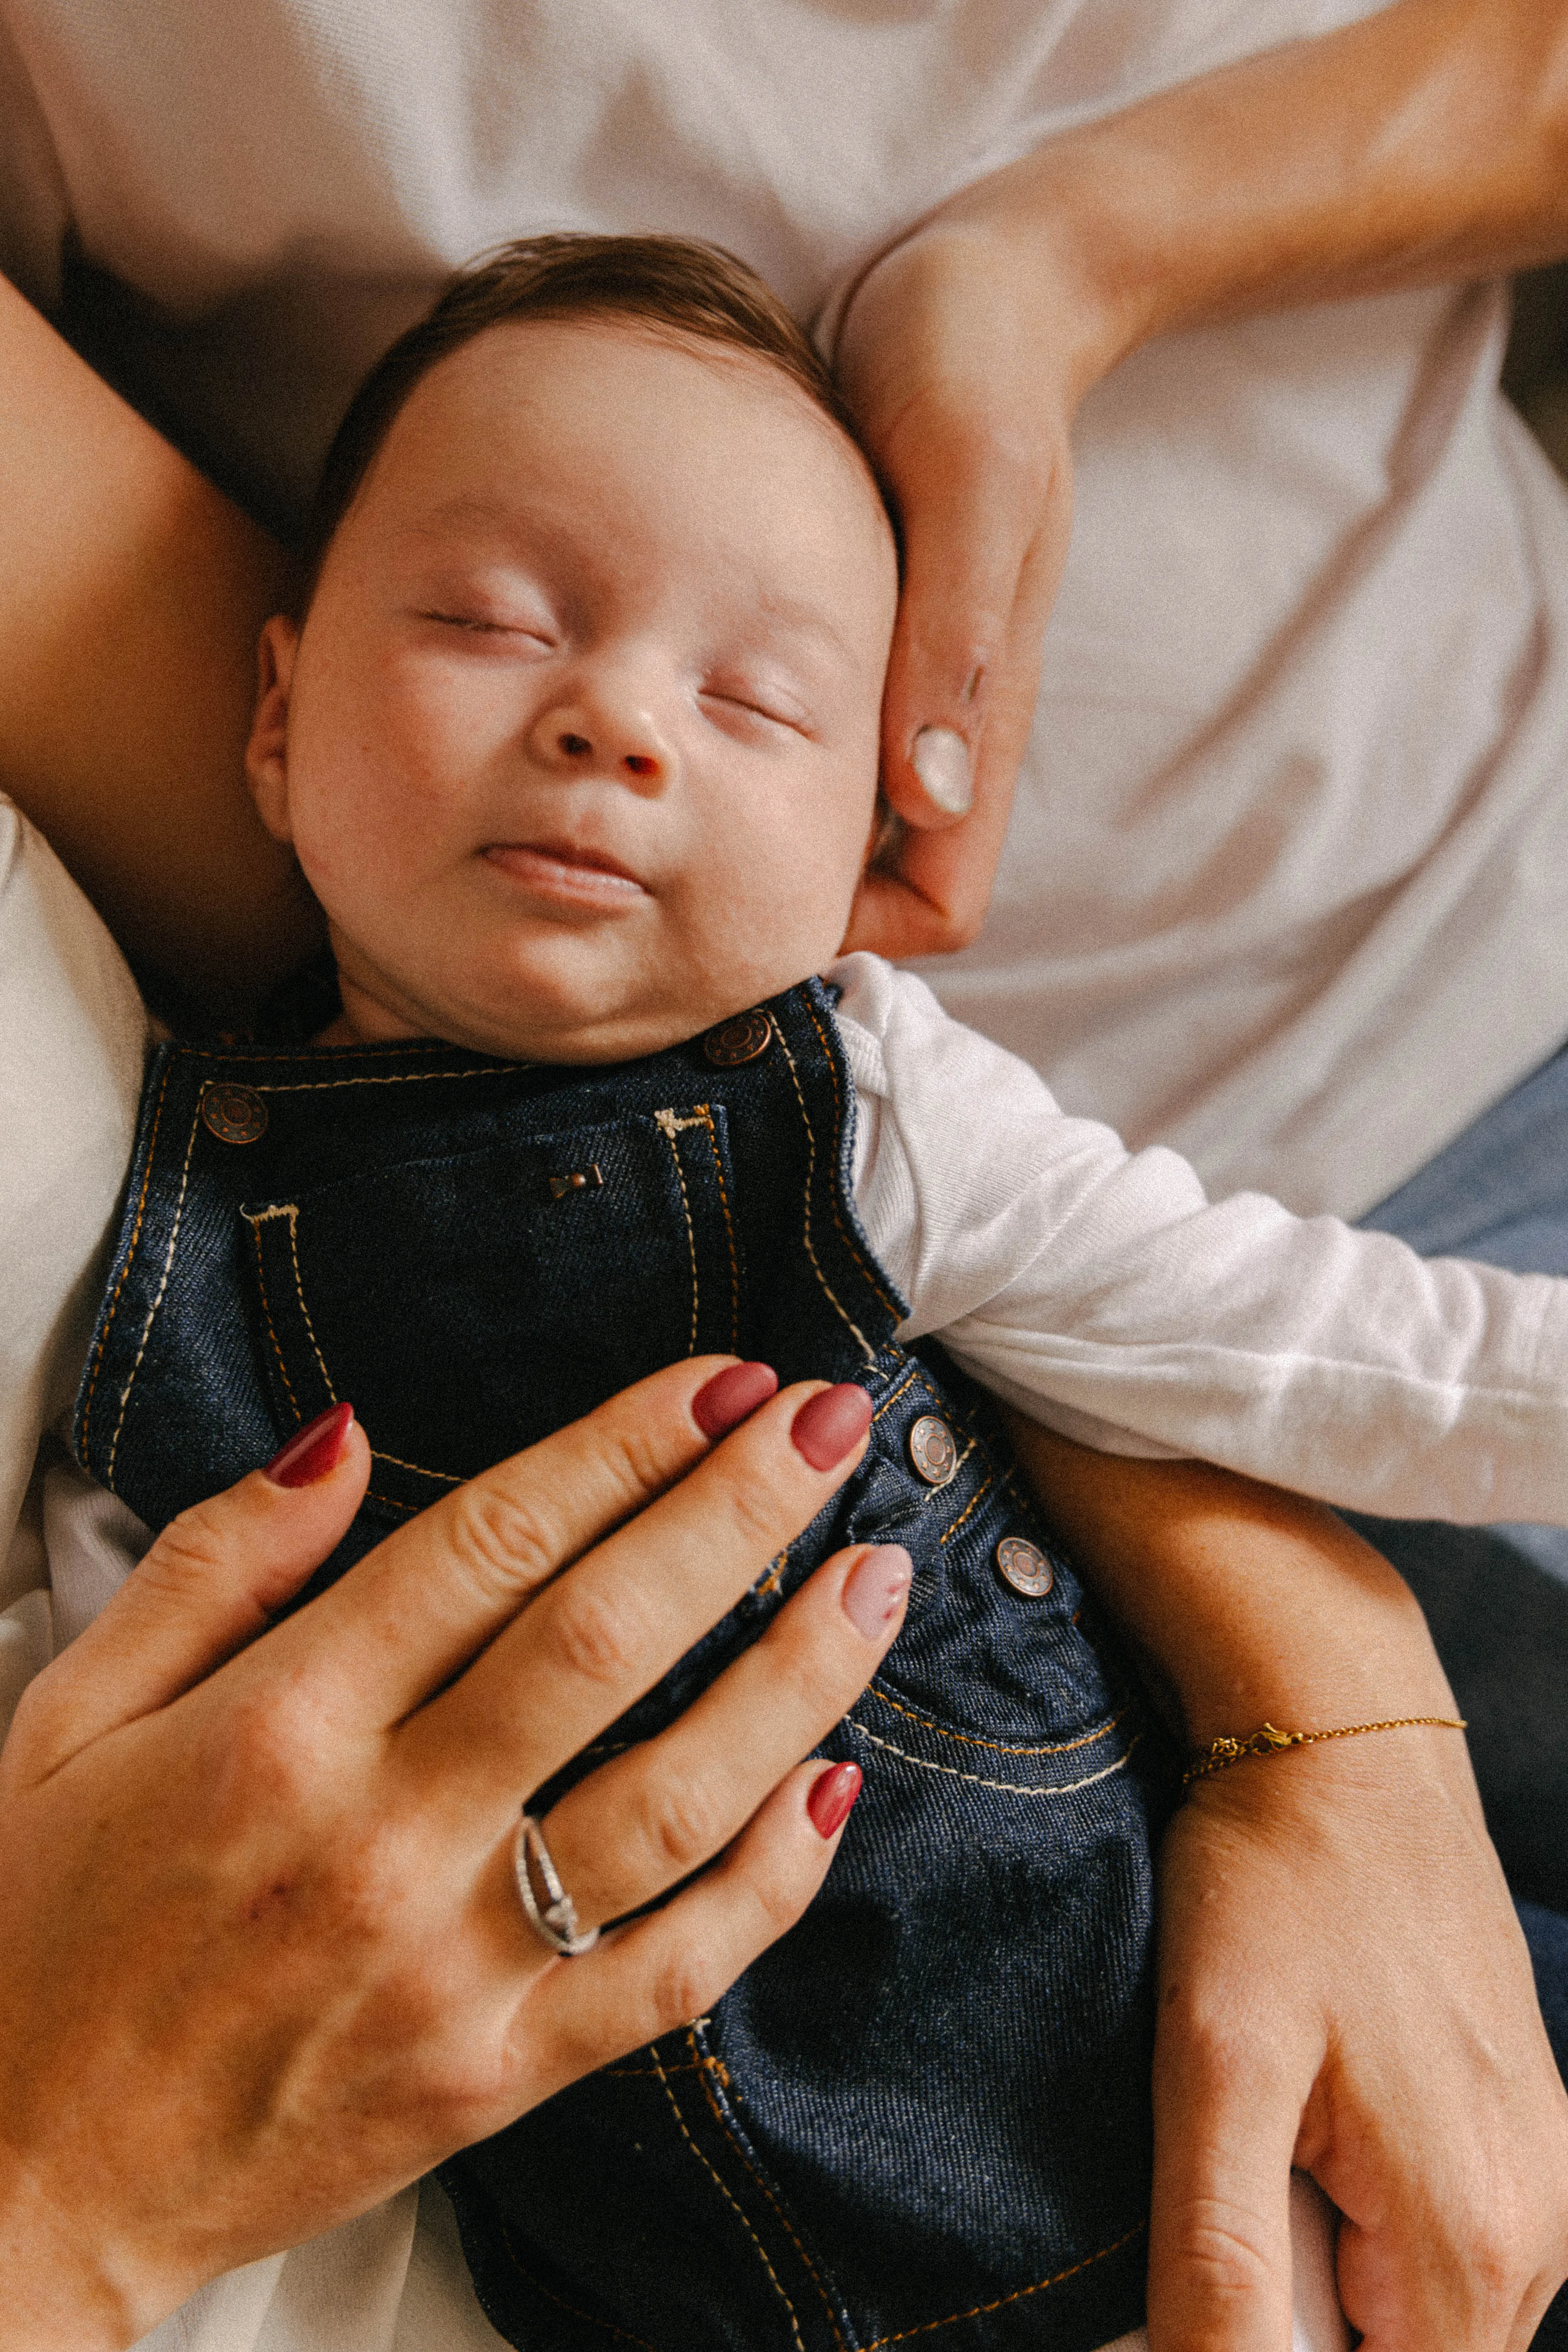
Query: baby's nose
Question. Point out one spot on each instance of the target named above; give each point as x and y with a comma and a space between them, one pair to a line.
573, 737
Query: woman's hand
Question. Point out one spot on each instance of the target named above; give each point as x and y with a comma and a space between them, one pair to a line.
959, 358
1343, 1985
264, 1955
1421, 146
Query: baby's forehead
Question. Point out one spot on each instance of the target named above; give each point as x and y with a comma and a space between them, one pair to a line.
602, 447
643, 393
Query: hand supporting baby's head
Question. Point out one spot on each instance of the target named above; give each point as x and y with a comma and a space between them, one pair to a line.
577, 741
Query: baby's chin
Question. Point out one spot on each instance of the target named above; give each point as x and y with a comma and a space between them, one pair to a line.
531, 1030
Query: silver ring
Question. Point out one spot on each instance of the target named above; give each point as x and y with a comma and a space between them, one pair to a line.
554, 1921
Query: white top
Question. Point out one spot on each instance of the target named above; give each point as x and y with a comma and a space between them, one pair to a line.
1283, 885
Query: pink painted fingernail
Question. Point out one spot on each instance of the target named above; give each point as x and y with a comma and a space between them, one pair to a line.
721, 1403
314, 1451
830, 1423
876, 1590
833, 1794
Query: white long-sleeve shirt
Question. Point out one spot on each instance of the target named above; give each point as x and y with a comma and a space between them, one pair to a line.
1103, 1292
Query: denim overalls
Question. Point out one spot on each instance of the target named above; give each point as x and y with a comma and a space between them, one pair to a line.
925, 2112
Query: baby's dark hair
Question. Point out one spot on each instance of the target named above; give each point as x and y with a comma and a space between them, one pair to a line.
674, 285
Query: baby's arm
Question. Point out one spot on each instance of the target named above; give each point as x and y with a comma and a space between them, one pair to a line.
1103, 1292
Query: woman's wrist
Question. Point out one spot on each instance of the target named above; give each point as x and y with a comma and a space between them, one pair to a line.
1419, 146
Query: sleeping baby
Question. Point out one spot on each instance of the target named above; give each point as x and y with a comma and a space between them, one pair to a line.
576, 741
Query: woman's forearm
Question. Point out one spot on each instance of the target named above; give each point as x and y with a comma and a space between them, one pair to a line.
130, 595
1246, 1605
1427, 144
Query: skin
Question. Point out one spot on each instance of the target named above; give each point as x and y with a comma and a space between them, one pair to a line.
604, 629
1422, 146
129, 598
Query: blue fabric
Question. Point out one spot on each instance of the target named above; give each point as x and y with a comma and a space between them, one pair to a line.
930, 2100
1497, 1598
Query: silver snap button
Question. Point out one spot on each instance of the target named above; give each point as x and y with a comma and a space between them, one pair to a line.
933, 1450
1024, 1565
234, 1114
737, 1041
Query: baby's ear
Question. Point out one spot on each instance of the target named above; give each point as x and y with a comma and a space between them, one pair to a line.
267, 753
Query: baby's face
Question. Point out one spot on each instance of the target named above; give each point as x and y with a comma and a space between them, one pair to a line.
578, 743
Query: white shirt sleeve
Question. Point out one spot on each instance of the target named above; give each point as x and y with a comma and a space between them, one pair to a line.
1101, 1292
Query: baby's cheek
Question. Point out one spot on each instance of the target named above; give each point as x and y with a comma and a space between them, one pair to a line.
770, 929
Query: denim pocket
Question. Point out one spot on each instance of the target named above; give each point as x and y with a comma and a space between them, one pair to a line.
621, 1230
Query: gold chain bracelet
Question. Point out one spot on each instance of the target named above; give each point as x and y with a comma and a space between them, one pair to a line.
1220, 1754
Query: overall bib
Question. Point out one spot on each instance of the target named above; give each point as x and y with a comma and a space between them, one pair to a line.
925, 2111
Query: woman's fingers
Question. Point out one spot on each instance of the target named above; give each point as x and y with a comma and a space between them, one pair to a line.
408, 1617
927, 891
595, 1641
647, 1819
209, 1584
666, 1970
945, 357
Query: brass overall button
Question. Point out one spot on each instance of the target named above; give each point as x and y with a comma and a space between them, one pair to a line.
234, 1114
933, 1450
1024, 1567
737, 1041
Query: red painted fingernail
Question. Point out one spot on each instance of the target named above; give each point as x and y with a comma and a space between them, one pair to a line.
830, 1423
314, 1450
876, 1590
721, 1403
833, 1793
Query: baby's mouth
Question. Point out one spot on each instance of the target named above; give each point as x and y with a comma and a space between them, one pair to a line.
566, 873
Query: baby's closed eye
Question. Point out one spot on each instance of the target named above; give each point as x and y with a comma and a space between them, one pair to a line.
759, 706
485, 625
